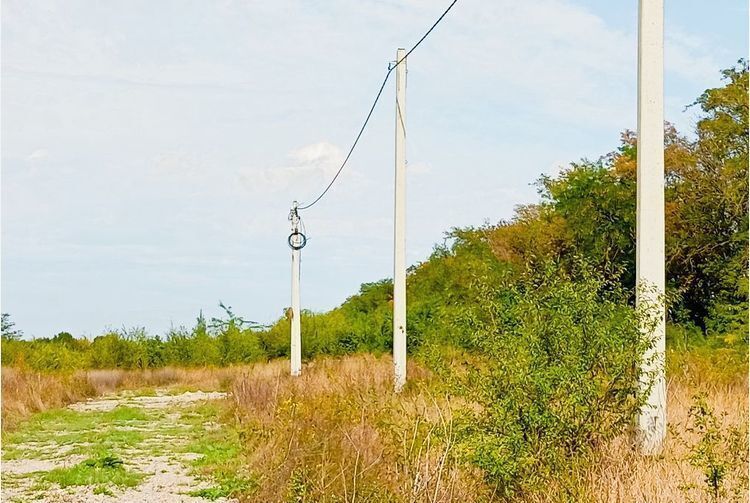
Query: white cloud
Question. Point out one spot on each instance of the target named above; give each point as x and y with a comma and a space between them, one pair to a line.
40, 154
312, 163
690, 57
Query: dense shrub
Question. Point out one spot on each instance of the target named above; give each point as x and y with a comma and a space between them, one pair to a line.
550, 373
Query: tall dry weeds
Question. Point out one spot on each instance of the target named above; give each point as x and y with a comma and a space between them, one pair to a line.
340, 433
26, 392
625, 476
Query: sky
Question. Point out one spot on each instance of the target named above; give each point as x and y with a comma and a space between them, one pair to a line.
151, 149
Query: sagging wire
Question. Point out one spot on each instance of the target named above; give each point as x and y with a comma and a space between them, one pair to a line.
298, 239
391, 67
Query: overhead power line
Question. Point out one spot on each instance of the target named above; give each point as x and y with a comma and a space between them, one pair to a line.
372, 108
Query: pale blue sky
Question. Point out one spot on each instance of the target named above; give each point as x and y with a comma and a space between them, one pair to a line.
151, 149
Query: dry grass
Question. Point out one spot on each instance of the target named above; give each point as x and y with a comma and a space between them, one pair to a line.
339, 433
25, 392
625, 476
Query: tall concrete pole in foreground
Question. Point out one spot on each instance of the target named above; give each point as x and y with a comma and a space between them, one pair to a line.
399, 231
652, 420
295, 241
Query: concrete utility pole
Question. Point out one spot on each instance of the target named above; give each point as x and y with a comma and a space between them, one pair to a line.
652, 420
296, 242
399, 230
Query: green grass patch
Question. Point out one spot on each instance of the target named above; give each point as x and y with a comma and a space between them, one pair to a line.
100, 470
103, 490
66, 427
117, 437
124, 413
215, 450
60, 425
145, 392
40, 486
108, 437
227, 486
100, 435
199, 414
41, 425
93, 434
11, 452
220, 453
217, 447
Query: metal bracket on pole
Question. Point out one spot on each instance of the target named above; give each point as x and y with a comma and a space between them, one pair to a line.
296, 240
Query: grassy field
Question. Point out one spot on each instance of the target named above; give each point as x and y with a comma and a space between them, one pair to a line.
339, 433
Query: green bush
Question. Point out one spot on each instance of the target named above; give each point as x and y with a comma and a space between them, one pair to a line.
551, 372
720, 452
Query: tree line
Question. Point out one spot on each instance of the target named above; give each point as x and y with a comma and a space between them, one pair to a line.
582, 227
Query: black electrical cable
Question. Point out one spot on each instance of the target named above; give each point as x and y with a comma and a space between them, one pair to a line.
426, 33
372, 108
295, 242
356, 140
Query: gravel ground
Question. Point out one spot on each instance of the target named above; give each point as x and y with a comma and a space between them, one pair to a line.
167, 475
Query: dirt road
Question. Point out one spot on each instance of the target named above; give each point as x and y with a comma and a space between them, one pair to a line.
122, 448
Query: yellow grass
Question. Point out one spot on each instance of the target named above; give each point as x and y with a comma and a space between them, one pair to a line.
338, 433
625, 476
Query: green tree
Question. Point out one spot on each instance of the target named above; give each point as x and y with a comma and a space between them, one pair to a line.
711, 218
6, 328
205, 349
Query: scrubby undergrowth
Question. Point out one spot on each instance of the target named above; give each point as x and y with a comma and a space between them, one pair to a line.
340, 433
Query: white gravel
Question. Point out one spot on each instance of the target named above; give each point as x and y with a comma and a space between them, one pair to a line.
24, 466
160, 401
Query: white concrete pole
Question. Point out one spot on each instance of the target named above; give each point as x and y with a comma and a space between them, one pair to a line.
296, 342
652, 420
399, 230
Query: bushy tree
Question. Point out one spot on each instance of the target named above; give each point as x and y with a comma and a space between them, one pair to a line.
711, 220
589, 210
550, 373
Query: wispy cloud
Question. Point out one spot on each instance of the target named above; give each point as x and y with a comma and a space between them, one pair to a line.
312, 163
690, 57
39, 154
